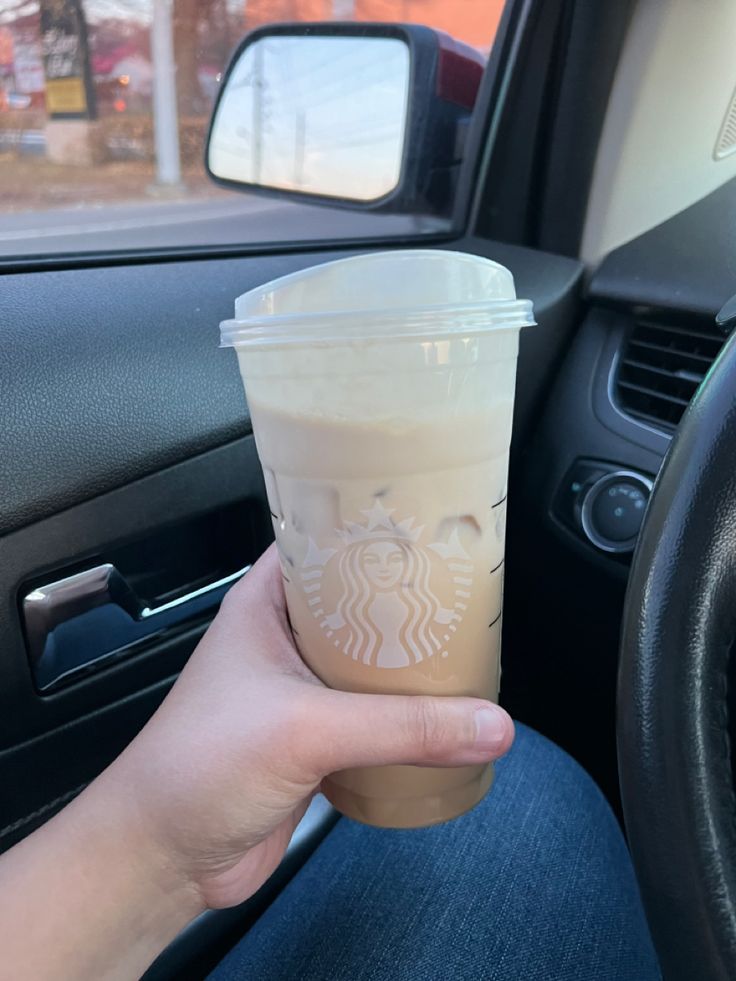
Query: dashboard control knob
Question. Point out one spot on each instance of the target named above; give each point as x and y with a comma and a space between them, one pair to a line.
613, 510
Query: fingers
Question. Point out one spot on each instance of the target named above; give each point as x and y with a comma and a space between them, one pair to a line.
262, 584
330, 730
373, 730
252, 619
256, 600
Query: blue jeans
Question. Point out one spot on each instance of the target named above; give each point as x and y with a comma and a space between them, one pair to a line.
533, 884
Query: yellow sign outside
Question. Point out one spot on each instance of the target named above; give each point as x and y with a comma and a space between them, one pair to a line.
66, 95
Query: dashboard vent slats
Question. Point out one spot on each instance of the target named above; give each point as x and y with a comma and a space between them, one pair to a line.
661, 366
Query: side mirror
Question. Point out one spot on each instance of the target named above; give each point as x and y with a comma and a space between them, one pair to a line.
369, 116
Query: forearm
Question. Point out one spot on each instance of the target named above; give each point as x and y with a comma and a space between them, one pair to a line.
90, 895
200, 807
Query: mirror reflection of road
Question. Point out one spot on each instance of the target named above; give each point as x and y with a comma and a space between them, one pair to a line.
240, 219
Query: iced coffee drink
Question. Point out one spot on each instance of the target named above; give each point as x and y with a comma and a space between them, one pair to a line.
385, 456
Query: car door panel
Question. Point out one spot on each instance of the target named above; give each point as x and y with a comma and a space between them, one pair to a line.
122, 418
113, 373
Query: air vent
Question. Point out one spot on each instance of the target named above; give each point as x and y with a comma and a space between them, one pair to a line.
661, 366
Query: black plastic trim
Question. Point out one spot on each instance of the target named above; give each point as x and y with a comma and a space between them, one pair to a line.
504, 199
154, 430
143, 257
490, 110
684, 265
45, 772
614, 327
588, 65
101, 388
579, 423
86, 534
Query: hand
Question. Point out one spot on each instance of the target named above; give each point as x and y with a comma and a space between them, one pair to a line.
225, 769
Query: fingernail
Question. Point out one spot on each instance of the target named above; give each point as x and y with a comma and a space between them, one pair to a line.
490, 728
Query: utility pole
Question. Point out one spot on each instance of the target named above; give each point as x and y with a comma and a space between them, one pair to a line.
300, 127
165, 117
258, 85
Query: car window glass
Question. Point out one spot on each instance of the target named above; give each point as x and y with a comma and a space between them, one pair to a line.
83, 166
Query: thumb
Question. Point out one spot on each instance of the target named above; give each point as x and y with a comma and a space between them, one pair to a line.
374, 730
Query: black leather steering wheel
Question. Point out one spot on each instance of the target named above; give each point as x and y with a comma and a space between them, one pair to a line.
674, 748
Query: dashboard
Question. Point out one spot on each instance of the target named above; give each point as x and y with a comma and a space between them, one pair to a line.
647, 341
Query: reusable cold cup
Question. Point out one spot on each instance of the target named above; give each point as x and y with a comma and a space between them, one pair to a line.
381, 391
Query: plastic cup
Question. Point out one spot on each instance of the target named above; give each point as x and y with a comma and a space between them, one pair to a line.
381, 392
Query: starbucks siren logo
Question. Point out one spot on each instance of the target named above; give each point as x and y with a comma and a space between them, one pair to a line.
388, 613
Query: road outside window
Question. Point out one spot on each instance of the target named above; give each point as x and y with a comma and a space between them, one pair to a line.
104, 106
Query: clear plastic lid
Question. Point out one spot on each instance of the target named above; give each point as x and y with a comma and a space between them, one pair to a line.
413, 293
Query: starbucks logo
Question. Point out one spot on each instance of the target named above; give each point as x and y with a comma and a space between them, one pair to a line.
398, 601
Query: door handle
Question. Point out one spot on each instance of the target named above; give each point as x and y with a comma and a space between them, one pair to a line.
78, 624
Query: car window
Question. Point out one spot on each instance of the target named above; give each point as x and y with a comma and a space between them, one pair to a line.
84, 165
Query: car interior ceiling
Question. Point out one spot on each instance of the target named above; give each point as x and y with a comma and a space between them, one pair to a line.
124, 439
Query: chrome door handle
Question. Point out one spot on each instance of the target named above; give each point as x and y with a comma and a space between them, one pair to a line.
78, 624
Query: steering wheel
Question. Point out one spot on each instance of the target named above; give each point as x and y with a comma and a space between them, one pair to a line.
675, 692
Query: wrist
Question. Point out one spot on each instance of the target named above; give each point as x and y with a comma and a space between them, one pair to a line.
121, 802
92, 888
146, 899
